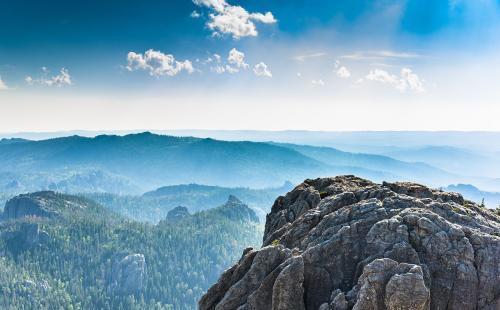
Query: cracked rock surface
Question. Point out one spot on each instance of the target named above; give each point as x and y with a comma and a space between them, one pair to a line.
347, 243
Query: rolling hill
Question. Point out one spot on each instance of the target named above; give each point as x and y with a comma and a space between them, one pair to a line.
137, 163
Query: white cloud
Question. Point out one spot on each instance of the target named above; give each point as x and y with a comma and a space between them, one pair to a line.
157, 63
234, 63
59, 80
231, 70
267, 18
411, 80
308, 56
236, 60
406, 81
217, 58
195, 14
218, 69
343, 73
382, 76
217, 5
232, 19
3, 86
318, 82
261, 69
378, 55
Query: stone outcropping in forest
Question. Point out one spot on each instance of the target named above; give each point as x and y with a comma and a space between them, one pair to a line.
348, 243
177, 214
128, 274
30, 205
44, 204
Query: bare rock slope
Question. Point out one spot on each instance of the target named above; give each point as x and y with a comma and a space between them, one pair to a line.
348, 243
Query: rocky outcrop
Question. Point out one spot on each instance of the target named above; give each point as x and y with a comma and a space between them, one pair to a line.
236, 210
27, 236
33, 290
177, 214
30, 205
347, 243
44, 205
128, 274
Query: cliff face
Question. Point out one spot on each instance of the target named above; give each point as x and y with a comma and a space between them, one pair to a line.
29, 205
348, 243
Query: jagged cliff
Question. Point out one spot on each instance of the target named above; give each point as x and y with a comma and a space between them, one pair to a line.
348, 243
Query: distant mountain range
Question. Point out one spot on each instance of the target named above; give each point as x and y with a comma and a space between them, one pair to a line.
136, 163
150, 161
352, 141
491, 199
453, 159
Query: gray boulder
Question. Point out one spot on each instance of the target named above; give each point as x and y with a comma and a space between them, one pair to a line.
347, 243
128, 275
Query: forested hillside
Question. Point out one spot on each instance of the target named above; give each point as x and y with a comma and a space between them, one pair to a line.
82, 256
154, 206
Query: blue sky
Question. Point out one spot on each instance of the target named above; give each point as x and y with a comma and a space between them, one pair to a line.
241, 64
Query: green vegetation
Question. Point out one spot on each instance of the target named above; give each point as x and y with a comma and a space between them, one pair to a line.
71, 270
154, 206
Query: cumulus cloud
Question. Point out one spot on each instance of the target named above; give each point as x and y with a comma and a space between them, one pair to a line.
237, 59
406, 81
411, 80
157, 63
234, 63
217, 5
3, 86
261, 69
343, 73
59, 80
195, 14
382, 76
218, 69
233, 20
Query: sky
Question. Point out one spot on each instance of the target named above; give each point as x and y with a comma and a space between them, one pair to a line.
266, 65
